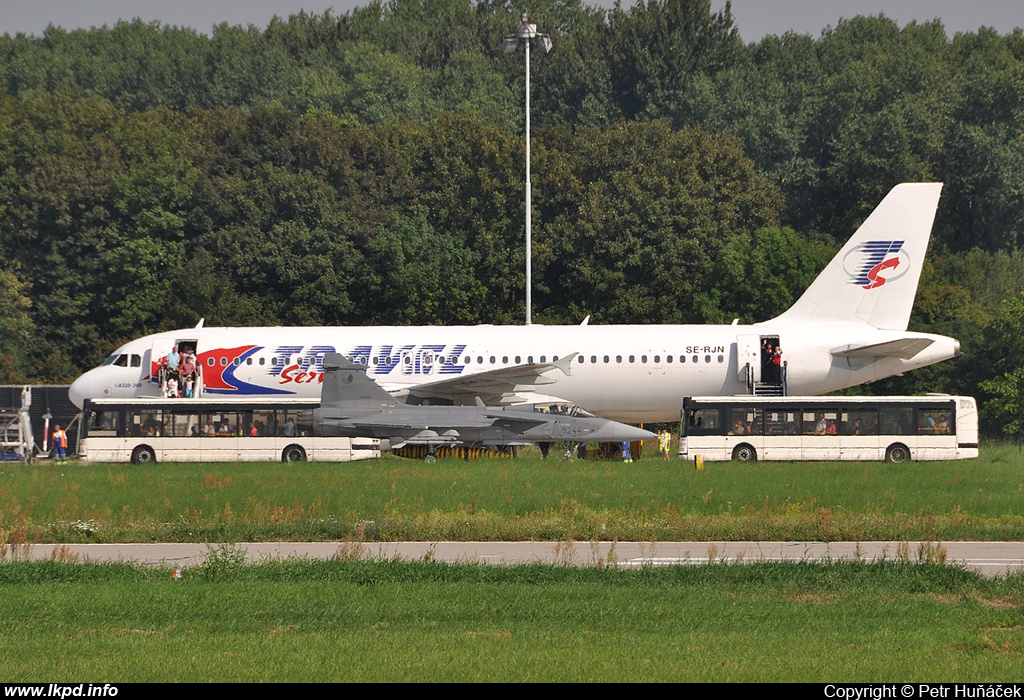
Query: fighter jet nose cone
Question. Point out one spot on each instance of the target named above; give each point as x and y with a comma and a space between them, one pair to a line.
620, 432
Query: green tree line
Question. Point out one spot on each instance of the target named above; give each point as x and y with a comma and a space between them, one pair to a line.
367, 167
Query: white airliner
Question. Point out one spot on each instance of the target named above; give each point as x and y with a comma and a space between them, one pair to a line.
848, 328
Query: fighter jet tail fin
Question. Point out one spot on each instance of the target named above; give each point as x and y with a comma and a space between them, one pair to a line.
345, 382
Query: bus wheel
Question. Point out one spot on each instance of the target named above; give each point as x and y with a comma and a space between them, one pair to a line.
897, 454
293, 453
143, 454
744, 453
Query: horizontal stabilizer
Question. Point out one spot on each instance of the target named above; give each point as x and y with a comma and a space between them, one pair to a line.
904, 349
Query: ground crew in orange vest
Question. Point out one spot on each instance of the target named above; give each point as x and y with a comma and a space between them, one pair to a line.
60, 444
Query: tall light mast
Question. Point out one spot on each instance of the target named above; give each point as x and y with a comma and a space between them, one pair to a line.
526, 35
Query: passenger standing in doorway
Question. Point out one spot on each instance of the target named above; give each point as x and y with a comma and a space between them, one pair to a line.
777, 365
171, 362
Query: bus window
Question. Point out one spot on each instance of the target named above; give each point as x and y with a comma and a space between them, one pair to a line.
781, 423
861, 421
745, 420
705, 421
933, 421
101, 423
897, 420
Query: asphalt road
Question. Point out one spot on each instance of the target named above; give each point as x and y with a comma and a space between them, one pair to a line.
988, 558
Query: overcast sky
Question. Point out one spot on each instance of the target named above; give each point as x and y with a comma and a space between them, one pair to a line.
755, 18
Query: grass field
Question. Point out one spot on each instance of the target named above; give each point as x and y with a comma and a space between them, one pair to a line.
401, 621
426, 621
525, 498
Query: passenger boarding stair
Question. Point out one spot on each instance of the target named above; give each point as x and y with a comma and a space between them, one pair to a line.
758, 388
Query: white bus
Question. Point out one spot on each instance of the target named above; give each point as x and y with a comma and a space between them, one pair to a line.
146, 430
894, 428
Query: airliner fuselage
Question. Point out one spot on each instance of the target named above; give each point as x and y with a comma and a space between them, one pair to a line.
623, 373
848, 328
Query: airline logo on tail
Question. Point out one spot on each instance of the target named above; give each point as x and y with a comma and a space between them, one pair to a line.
873, 263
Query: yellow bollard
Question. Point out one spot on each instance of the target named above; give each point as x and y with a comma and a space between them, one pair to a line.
698, 462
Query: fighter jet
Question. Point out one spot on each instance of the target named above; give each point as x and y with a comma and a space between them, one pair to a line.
353, 405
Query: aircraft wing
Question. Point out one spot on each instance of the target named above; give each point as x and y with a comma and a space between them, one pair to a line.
904, 349
496, 386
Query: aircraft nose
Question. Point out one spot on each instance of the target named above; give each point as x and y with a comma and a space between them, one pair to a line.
620, 432
82, 389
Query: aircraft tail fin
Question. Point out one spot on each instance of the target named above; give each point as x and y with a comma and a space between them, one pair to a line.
873, 279
345, 382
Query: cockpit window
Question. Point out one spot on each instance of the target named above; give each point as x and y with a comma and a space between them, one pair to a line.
136, 360
111, 360
121, 361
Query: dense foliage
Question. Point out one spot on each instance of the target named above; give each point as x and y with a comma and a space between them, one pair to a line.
367, 168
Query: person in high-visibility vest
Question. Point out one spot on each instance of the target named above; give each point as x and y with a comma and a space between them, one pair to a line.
664, 442
60, 444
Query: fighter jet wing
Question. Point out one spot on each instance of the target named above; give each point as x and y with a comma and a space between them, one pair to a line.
904, 349
496, 386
